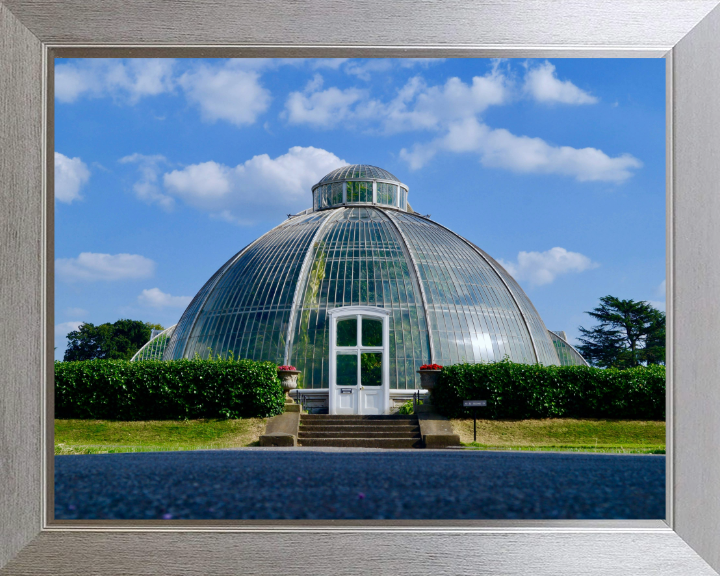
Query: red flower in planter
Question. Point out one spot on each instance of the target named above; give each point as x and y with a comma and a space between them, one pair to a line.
286, 368
431, 367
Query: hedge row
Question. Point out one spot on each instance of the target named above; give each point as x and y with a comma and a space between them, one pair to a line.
166, 390
517, 391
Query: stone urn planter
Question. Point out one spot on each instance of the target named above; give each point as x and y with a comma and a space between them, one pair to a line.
429, 374
288, 379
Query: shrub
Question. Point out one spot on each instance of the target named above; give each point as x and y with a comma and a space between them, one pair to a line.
167, 390
407, 408
518, 391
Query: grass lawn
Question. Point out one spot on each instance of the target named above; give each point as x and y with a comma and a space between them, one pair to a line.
566, 435
110, 436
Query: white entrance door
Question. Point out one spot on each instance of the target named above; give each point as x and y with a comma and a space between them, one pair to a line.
359, 371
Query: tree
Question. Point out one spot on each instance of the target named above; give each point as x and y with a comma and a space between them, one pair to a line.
118, 341
629, 334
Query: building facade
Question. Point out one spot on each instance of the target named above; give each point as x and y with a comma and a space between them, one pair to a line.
358, 292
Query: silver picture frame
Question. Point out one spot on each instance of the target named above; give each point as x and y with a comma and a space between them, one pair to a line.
684, 32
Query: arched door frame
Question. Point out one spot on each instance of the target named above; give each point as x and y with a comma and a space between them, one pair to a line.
348, 311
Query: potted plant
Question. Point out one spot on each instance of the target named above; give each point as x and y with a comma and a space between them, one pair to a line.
288, 379
429, 374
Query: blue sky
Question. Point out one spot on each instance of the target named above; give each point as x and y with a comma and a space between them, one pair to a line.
166, 168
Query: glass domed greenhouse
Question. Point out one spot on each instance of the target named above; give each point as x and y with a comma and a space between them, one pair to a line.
358, 281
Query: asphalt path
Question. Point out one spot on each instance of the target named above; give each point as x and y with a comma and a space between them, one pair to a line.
309, 483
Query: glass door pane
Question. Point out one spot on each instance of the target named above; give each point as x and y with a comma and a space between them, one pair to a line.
346, 370
372, 332
347, 332
371, 368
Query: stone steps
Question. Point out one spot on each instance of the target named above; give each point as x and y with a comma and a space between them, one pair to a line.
363, 442
384, 431
391, 418
341, 428
415, 433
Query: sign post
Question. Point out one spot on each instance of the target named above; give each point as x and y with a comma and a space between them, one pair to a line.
474, 404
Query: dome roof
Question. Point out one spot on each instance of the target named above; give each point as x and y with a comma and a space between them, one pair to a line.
449, 301
357, 171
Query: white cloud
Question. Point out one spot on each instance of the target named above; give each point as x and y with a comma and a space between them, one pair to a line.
125, 80
147, 188
542, 84
73, 81
420, 107
321, 108
259, 188
71, 174
540, 268
228, 93
416, 106
155, 298
75, 312
660, 292
61, 332
329, 63
365, 69
62, 329
453, 110
421, 62
499, 148
89, 266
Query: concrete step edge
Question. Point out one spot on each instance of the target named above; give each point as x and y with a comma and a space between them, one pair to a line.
362, 443
356, 435
359, 428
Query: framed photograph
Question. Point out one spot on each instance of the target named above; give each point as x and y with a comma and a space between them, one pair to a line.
32, 37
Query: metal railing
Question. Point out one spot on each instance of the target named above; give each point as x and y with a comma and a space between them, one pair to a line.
416, 399
301, 399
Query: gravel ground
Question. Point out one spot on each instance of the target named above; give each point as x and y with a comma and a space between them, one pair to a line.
359, 484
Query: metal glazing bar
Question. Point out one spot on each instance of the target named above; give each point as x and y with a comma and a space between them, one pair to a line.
416, 275
302, 279
212, 288
507, 286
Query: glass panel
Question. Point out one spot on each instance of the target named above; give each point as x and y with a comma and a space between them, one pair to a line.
364, 236
365, 191
403, 198
353, 191
347, 332
371, 332
387, 193
337, 196
371, 368
346, 370
243, 301
359, 191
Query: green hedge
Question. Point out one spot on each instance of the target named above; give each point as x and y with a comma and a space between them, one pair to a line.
166, 390
518, 391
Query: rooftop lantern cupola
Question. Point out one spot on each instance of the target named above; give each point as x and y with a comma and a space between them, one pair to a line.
360, 184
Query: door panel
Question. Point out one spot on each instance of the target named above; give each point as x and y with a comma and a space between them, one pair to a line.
371, 380
346, 400
372, 400
346, 378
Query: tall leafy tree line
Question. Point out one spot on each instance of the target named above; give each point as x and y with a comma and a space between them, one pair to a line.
117, 341
628, 334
